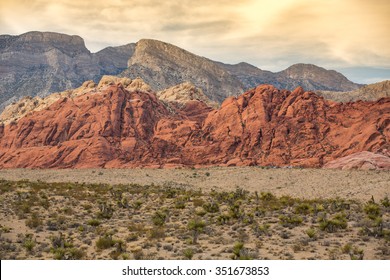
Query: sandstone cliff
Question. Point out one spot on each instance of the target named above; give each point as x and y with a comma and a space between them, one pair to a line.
116, 127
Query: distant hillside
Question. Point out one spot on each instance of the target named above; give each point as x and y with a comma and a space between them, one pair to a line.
39, 63
370, 92
162, 65
309, 76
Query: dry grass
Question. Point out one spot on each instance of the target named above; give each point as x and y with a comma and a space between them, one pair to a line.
46, 220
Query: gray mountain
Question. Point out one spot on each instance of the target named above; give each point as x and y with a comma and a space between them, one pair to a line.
162, 65
308, 76
39, 63
369, 92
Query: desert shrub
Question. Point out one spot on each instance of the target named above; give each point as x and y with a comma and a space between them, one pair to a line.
63, 248
200, 211
138, 228
28, 243
223, 219
105, 242
159, 217
105, 211
235, 210
211, 207
188, 253
34, 221
385, 202
197, 202
156, 233
68, 254
267, 196
262, 230
346, 248
132, 237
311, 232
137, 204
372, 210
290, 220
338, 222
303, 208
138, 254
93, 222
180, 203
240, 252
354, 252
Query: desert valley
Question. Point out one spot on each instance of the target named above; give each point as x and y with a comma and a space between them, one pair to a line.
147, 151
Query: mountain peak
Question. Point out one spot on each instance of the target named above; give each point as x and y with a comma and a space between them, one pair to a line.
38, 42
312, 77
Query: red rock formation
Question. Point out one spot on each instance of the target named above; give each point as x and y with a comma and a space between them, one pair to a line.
265, 126
362, 160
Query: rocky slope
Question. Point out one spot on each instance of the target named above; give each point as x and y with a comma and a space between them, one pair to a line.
119, 127
309, 76
370, 92
26, 105
162, 65
39, 63
362, 160
184, 93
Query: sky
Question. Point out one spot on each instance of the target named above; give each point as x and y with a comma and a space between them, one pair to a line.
352, 36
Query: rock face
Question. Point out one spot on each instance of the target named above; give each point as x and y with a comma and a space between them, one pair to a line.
185, 92
39, 63
116, 127
361, 160
309, 76
16, 111
370, 92
162, 65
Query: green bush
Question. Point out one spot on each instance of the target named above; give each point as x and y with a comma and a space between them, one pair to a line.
34, 222
336, 223
211, 207
105, 242
93, 222
303, 208
372, 210
290, 220
29, 244
159, 217
188, 253
311, 232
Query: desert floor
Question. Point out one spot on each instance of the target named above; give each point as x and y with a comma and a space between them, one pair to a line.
209, 213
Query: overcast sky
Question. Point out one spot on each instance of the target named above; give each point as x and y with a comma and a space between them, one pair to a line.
271, 34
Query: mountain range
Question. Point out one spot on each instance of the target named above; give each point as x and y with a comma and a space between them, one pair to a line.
39, 63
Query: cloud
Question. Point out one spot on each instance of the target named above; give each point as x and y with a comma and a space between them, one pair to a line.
270, 34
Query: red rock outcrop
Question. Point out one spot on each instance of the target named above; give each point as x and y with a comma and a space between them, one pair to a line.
265, 126
362, 160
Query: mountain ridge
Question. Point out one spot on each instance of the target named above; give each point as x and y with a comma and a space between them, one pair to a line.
39, 63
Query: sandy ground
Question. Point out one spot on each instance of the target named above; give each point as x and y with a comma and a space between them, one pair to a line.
68, 220
300, 183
